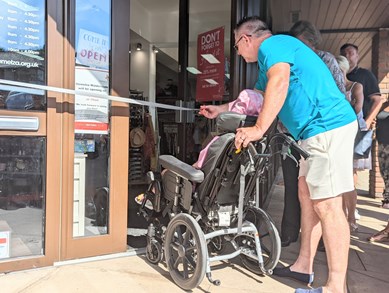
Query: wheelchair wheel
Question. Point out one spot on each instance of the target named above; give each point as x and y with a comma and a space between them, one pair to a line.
268, 237
154, 252
185, 251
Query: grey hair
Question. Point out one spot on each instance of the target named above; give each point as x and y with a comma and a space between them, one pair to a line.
252, 25
344, 65
308, 31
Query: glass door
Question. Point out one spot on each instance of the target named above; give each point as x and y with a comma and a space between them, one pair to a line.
29, 177
93, 157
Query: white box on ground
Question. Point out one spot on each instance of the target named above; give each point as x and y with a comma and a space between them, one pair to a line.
5, 239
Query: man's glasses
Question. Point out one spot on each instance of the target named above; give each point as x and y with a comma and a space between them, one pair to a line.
237, 42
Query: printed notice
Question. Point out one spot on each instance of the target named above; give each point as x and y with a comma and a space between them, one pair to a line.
24, 23
91, 114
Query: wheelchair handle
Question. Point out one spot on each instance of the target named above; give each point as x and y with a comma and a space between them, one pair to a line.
295, 146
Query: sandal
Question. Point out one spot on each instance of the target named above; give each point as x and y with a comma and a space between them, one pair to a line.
382, 236
353, 227
385, 203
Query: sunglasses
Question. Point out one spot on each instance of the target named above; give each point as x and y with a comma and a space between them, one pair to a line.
237, 42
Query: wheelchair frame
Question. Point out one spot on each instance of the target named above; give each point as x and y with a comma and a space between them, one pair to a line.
254, 166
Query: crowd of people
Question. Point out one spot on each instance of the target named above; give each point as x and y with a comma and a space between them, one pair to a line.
322, 101
323, 109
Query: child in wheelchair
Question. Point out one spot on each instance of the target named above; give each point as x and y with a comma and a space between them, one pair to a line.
249, 102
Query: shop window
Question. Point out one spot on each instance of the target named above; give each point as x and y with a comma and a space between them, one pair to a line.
22, 54
92, 129
22, 194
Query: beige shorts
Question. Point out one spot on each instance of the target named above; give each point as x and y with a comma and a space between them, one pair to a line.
329, 169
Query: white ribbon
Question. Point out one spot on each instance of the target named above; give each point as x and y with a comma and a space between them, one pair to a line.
31, 88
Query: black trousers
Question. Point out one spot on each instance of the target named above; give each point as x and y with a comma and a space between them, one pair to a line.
290, 225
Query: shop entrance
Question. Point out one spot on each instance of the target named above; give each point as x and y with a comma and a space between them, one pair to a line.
95, 133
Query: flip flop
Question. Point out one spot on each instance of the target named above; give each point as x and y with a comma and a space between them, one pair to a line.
382, 236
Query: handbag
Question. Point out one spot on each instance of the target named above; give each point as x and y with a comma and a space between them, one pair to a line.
363, 143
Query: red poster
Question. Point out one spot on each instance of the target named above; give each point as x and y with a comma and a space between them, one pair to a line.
210, 62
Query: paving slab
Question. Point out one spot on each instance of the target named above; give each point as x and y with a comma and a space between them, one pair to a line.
367, 272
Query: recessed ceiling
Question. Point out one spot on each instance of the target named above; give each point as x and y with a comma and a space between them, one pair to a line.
340, 21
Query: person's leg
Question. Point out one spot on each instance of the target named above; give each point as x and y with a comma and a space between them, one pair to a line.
310, 231
383, 160
336, 236
350, 205
290, 224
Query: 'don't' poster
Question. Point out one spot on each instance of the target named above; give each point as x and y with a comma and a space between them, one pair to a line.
210, 62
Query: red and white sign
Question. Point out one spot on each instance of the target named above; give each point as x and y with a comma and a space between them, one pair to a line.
91, 113
210, 62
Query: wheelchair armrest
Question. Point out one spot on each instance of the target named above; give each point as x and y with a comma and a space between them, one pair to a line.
183, 169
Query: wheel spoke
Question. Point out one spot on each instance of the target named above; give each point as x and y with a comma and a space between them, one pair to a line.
189, 249
185, 265
265, 249
186, 237
174, 246
177, 262
191, 261
179, 234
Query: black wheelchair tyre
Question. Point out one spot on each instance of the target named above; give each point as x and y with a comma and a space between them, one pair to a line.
154, 252
269, 239
185, 251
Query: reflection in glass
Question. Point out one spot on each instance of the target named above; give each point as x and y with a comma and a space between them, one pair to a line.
208, 62
91, 192
22, 53
22, 196
91, 138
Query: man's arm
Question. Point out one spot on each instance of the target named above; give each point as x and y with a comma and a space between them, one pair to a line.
275, 95
375, 108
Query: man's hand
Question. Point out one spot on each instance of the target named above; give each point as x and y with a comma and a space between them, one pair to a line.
246, 135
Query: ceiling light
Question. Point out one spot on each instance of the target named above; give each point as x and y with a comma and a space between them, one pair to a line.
155, 49
210, 58
138, 46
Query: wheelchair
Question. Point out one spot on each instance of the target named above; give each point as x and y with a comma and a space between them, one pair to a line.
195, 213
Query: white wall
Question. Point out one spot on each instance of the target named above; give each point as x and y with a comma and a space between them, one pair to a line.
140, 70
140, 20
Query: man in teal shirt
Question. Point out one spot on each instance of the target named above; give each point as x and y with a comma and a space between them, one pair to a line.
299, 88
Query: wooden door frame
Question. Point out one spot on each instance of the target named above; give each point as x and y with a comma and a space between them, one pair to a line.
49, 123
116, 240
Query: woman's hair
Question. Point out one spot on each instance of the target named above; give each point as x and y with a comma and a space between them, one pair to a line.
308, 31
343, 63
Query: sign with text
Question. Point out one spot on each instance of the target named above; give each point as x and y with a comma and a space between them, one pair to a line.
91, 114
92, 49
210, 62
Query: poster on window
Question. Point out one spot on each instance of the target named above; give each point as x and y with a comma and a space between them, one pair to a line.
92, 49
91, 113
210, 63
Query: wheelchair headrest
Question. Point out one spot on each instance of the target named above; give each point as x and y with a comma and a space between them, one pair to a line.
230, 121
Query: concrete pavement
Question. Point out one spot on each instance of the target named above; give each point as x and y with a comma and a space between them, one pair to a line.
368, 266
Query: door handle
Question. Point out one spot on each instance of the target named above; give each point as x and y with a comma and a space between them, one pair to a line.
19, 123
